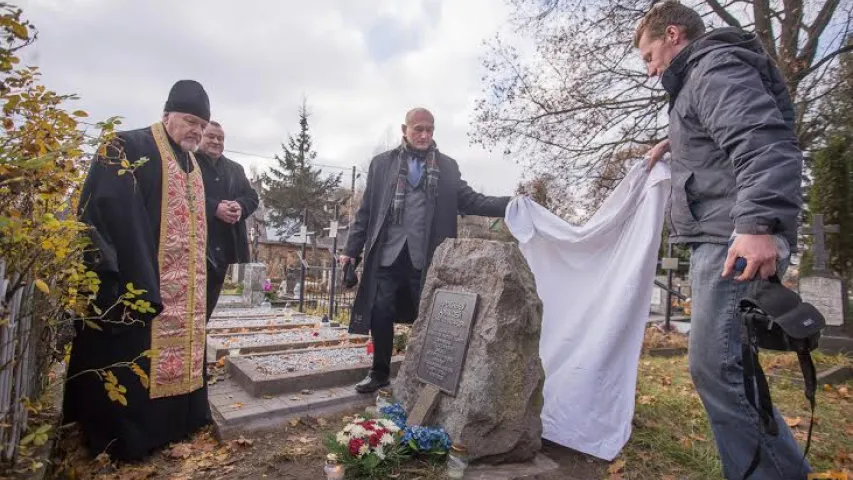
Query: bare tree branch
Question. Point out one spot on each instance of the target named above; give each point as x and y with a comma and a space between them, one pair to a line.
723, 13
815, 31
580, 105
826, 59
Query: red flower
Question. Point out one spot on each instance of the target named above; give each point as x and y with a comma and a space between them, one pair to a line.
369, 424
355, 445
374, 440
316, 334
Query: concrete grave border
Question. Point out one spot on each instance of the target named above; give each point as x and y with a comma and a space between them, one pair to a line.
217, 350
257, 384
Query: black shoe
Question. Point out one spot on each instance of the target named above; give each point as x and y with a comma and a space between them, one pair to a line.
372, 383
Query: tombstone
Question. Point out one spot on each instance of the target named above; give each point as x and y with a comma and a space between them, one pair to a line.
472, 364
658, 303
253, 283
822, 288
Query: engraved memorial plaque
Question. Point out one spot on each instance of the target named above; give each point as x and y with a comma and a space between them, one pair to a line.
446, 340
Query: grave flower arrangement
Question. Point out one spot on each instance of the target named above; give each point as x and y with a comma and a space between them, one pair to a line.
368, 448
430, 442
269, 295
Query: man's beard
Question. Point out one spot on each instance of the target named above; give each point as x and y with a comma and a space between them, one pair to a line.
190, 146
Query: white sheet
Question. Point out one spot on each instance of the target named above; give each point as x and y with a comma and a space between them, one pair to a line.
595, 282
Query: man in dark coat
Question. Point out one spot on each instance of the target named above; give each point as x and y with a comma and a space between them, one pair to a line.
413, 196
149, 232
230, 200
736, 169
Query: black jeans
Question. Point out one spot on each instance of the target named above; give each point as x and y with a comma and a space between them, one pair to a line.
215, 280
395, 284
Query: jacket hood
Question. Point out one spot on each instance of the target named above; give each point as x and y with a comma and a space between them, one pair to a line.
743, 43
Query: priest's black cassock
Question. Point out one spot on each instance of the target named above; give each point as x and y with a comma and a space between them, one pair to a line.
148, 229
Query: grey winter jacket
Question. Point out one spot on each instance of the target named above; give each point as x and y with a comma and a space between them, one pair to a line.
735, 159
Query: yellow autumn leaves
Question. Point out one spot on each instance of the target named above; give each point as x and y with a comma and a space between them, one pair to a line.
117, 392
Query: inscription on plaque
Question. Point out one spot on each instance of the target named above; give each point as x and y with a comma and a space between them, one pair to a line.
827, 295
446, 342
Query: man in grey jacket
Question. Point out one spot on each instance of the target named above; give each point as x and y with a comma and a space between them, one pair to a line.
736, 169
413, 196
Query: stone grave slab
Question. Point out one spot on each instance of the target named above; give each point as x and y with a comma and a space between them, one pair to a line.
232, 313
827, 294
297, 370
261, 323
219, 345
235, 411
234, 330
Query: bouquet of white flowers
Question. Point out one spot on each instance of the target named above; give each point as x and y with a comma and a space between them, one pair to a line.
368, 447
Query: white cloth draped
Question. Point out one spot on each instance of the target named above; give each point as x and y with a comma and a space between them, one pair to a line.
595, 282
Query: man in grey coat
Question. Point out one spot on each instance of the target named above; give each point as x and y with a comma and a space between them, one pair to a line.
410, 205
736, 172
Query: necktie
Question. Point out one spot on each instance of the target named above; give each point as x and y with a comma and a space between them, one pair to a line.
415, 171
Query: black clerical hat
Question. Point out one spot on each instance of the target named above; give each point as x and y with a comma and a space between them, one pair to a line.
188, 96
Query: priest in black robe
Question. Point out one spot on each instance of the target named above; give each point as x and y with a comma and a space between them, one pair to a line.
144, 202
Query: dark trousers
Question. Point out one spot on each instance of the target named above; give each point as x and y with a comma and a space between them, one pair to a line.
215, 280
395, 285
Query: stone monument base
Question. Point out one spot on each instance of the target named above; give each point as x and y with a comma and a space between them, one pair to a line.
540, 465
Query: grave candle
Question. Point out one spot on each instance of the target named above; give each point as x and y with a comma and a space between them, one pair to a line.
457, 461
383, 399
333, 469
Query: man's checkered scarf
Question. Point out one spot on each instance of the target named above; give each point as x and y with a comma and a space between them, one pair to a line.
398, 202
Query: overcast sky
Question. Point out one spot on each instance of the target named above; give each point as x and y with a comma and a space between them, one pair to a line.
360, 63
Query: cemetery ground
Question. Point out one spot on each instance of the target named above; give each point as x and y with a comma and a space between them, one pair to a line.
671, 438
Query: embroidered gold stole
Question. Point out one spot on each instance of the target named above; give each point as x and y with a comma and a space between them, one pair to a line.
178, 333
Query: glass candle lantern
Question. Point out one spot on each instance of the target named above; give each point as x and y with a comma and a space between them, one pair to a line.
457, 461
383, 399
333, 469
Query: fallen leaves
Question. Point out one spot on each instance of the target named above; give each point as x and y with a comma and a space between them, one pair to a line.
646, 399
244, 442
616, 469
237, 405
180, 451
793, 422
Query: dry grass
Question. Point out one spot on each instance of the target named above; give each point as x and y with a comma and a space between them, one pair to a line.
656, 337
672, 438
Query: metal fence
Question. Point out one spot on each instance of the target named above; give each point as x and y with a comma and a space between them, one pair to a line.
18, 368
323, 290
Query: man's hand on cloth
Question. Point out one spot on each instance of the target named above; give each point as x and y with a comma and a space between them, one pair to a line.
656, 153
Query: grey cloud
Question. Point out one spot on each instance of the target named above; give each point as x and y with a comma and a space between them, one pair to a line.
258, 58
